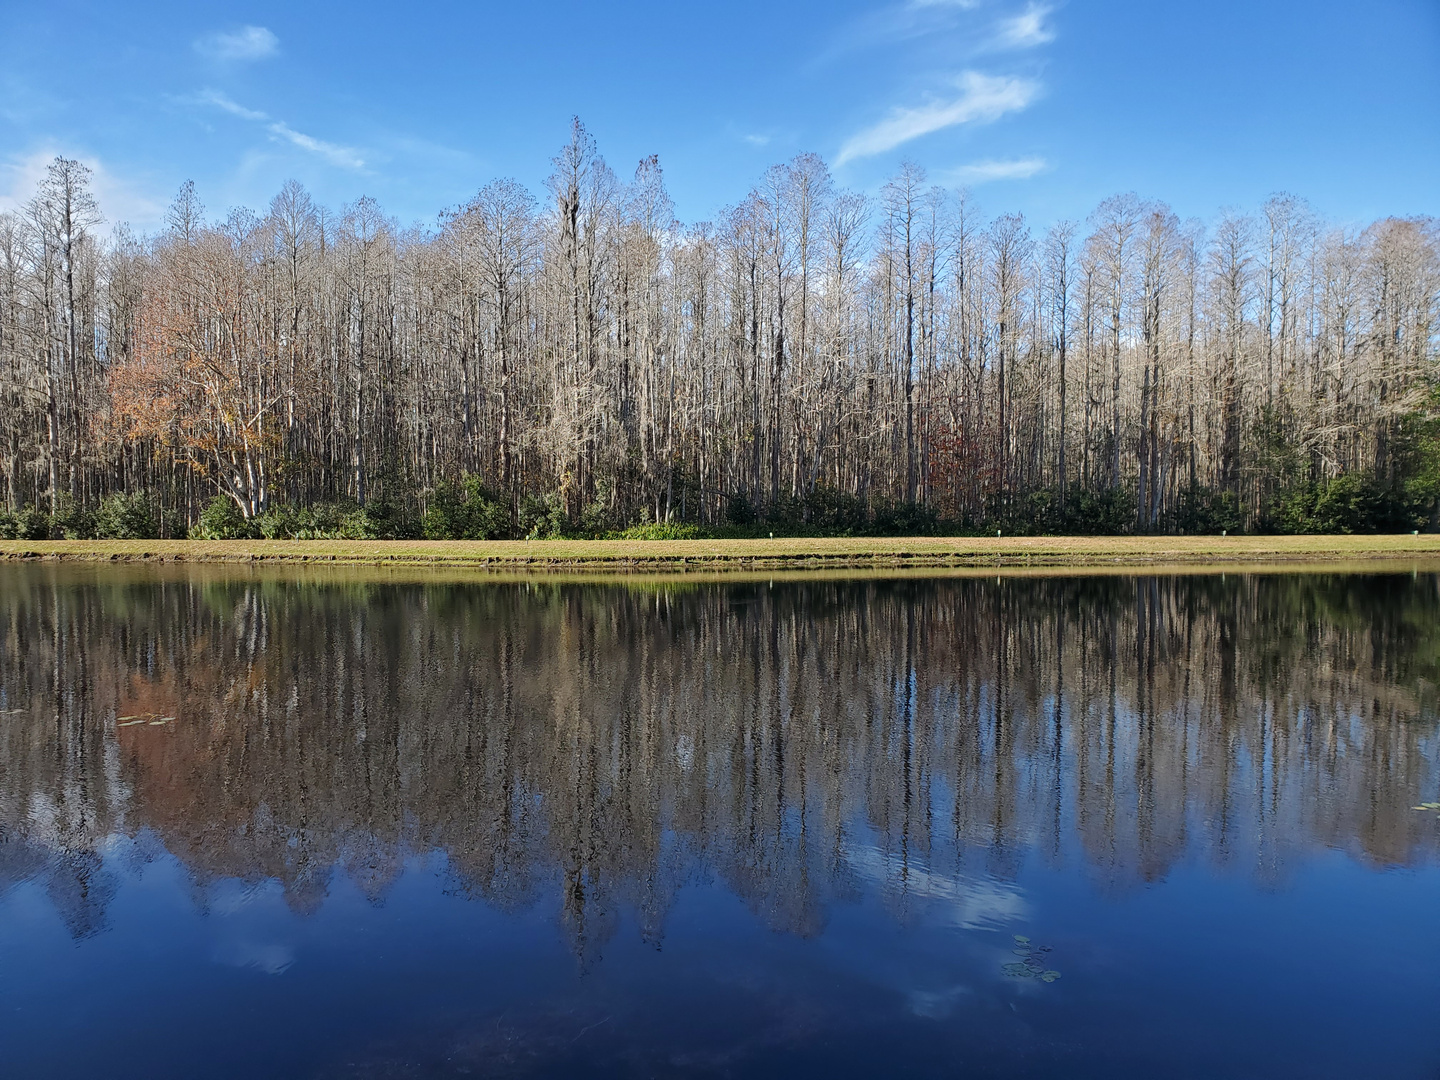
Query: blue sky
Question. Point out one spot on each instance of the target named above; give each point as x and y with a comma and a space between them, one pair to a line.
1044, 108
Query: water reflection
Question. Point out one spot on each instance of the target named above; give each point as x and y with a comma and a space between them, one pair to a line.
800, 742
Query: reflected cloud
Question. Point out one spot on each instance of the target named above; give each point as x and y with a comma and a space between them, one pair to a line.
961, 902
268, 959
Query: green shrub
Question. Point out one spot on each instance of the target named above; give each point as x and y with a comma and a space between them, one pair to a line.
597, 520
739, 510
660, 530
379, 520
465, 511
277, 523
1351, 503
32, 523
836, 512
1205, 511
543, 517
322, 521
24, 524
222, 520
894, 518
71, 521
126, 517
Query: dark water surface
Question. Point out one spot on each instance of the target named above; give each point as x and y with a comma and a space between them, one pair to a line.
309, 826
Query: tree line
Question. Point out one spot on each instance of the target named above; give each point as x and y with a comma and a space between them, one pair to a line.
812, 360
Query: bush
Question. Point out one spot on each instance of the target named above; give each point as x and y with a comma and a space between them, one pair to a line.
1204, 511
380, 520
1038, 512
322, 521
32, 523
465, 511
72, 522
543, 518
24, 524
277, 523
660, 530
739, 510
126, 517
903, 519
1350, 504
222, 520
836, 512
597, 520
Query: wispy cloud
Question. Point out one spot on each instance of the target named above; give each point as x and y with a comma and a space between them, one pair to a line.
756, 139
336, 155
239, 46
983, 98
933, 21
982, 172
1026, 30
343, 156
220, 101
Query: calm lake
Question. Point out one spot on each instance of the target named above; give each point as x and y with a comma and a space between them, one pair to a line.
358, 824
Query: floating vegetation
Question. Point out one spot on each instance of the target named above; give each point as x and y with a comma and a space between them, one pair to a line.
1435, 806
150, 718
1034, 965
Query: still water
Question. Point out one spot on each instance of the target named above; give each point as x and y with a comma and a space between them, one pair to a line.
346, 826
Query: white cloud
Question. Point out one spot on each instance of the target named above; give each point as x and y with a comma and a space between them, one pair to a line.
331, 152
943, 24
239, 46
983, 98
757, 140
1026, 30
20, 178
119, 199
343, 156
220, 101
982, 172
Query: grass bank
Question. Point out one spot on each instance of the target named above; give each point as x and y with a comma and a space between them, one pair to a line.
751, 555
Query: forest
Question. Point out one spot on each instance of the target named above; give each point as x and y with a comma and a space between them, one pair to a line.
812, 361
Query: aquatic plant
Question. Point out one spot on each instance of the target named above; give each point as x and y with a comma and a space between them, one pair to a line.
1033, 966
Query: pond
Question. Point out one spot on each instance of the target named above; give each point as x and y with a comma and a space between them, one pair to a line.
359, 824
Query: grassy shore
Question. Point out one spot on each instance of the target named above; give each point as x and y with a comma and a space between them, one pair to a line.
777, 554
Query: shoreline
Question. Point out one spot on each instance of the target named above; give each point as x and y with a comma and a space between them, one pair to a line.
625, 557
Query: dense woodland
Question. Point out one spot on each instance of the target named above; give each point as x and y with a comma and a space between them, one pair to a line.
811, 360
